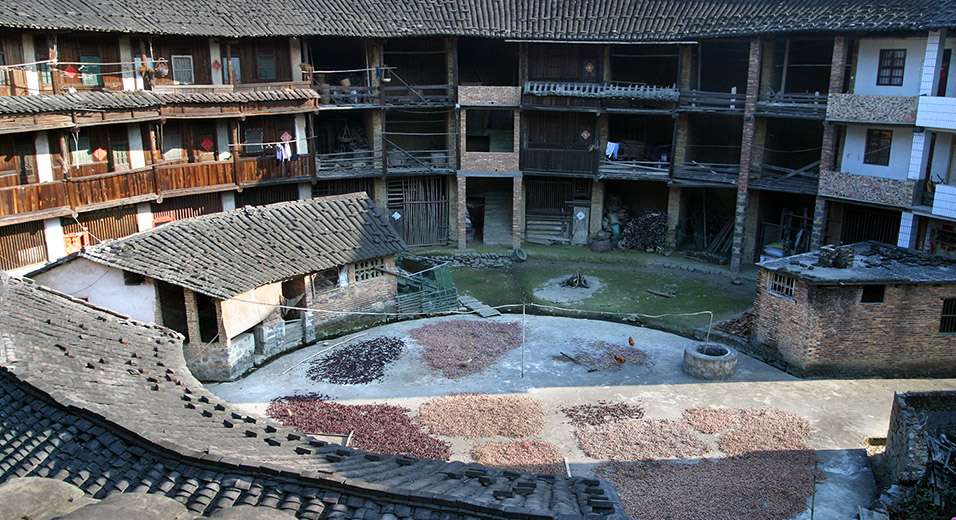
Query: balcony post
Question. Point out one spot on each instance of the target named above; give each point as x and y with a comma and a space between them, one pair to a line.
234, 137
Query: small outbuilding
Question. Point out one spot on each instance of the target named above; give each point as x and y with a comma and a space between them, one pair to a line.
235, 283
863, 309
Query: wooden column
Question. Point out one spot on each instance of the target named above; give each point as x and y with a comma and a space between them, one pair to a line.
52, 53
234, 137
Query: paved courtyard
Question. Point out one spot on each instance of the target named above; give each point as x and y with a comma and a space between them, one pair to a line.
840, 412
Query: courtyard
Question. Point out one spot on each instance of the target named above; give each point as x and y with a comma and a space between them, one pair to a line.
578, 397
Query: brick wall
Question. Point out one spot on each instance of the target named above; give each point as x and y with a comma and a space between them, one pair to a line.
866, 188
826, 330
489, 161
375, 295
489, 95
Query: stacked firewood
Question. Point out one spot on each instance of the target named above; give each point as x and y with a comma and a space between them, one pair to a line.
644, 232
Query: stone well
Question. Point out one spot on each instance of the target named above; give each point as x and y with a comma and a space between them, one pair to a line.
710, 361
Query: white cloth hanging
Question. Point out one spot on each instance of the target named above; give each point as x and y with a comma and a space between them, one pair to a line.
286, 151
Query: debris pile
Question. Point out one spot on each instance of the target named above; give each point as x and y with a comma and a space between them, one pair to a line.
602, 355
602, 412
459, 348
357, 364
740, 325
482, 415
576, 281
377, 428
525, 455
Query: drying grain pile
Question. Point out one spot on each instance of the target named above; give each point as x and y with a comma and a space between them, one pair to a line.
459, 348
757, 444
357, 364
525, 455
641, 440
601, 412
482, 415
602, 355
768, 486
378, 428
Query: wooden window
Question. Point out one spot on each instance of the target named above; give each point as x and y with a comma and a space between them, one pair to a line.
947, 323
878, 144
4, 73
81, 151
873, 294
325, 281
254, 135
265, 61
172, 145
22, 245
892, 63
368, 269
183, 69
781, 285
91, 71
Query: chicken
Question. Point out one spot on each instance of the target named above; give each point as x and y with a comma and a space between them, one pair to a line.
620, 360
630, 341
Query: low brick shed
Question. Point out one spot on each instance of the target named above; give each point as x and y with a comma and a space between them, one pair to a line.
890, 311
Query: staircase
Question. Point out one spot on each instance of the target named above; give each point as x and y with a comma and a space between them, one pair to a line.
497, 227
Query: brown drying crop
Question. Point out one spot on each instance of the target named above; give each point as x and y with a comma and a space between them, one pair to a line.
525, 455
634, 439
482, 415
601, 412
378, 428
459, 348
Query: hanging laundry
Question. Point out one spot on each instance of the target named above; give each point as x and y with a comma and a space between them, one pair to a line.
612, 149
280, 154
286, 151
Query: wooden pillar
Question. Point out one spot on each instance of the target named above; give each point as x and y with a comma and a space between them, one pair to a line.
828, 147
235, 151
52, 53
746, 152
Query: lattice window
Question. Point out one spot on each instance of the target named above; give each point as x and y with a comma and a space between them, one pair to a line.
892, 64
947, 323
781, 285
878, 144
367, 269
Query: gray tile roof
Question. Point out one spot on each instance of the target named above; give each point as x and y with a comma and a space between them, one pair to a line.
874, 263
127, 100
92, 398
229, 253
625, 20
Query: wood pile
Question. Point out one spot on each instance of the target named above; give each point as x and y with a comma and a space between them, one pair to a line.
647, 231
576, 281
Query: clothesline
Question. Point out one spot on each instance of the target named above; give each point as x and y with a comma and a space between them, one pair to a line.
366, 69
28, 64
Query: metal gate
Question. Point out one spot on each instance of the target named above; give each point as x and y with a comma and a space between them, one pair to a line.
418, 209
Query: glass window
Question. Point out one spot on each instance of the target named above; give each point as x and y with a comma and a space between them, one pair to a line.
81, 151
266, 67
253, 135
878, 147
892, 64
90, 71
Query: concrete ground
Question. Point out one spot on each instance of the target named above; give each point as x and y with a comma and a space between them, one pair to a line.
841, 412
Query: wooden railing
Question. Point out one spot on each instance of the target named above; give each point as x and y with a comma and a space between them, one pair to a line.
419, 94
711, 101
401, 160
791, 180
707, 172
563, 161
813, 106
338, 96
332, 164
177, 177
255, 170
625, 169
92, 190
33, 197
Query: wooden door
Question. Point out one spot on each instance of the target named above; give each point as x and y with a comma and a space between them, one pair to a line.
418, 209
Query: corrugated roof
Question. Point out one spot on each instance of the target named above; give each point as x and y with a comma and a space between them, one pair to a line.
619, 20
225, 254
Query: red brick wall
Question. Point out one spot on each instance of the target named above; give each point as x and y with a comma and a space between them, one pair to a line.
828, 330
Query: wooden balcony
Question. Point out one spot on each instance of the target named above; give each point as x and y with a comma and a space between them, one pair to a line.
798, 106
194, 177
352, 96
556, 161
267, 170
404, 162
706, 174
701, 101
419, 95
108, 189
32, 201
